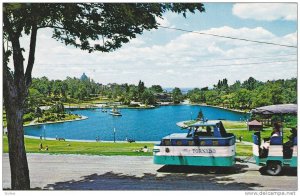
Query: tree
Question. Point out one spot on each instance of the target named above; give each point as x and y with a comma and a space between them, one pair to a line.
200, 115
243, 97
75, 24
148, 97
156, 89
250, 84
33, 100
57, 84
141, 89
58, 107
38, 113
176, 95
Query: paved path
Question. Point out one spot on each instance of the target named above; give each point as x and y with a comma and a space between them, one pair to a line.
83, 172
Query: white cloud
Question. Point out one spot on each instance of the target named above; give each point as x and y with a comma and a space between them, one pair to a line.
266, 11
189, 60
162, 21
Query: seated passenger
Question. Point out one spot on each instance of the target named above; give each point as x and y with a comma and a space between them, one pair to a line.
275, 133
208, 130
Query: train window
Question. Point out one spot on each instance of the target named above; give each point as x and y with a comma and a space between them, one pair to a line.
202, 143
167, 142
215, 142
191, 143
178, 143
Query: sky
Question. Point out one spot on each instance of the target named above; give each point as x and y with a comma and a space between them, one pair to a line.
173, 58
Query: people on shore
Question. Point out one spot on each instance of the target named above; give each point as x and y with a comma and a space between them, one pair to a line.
145, 149
41, 146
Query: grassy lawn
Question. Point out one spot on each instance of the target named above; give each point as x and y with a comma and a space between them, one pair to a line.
99, 148
247, 135
121, 148
234, 124
90, 148
243, 150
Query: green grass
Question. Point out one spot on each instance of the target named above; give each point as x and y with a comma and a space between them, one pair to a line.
100, 148
227, 124
247, 135
89, 148
243, 150
234, 124
121, 148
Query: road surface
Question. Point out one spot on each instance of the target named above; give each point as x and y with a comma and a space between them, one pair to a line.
84, 172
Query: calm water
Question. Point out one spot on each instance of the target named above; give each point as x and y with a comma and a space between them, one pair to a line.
138, 124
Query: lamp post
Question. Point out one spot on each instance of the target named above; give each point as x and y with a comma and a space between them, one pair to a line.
44, 130
114, 135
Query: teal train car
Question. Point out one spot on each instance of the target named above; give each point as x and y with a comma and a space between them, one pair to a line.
206, 144
277, 154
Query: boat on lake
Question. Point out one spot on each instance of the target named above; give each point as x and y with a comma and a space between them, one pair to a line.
103, 109
115, 112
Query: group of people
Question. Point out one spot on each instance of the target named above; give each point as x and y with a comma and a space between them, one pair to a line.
41, 147
145, 149
207, 132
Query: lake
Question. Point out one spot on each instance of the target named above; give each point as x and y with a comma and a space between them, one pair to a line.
137, 124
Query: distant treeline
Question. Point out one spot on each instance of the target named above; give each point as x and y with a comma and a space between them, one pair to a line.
240, 95
246, 95
74, 90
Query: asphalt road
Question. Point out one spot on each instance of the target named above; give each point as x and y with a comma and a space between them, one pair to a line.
83, 172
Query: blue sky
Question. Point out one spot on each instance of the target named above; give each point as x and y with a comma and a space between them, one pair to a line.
181, 59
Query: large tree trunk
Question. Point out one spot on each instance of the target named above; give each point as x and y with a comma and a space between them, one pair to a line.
17, 154
15, 91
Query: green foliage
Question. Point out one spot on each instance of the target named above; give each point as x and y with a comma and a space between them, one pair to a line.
290, 121
57, 108
38, 113
177, 95
250, 94
147, 97
156, 89
141, 88
222, 84
49, 117
200, 115
28, 117
77, 24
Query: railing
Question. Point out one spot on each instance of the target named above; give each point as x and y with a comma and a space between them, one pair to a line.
199, 141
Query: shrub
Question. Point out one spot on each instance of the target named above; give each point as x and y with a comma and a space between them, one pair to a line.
28, 117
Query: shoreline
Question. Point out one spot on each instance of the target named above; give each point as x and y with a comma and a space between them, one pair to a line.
219, 107
61, 121
153, 107
91, 141
105, 106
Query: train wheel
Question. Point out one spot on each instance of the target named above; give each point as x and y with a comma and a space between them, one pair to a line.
273, 168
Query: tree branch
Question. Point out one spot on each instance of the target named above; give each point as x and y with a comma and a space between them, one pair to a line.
7, 77
50, 26
31, 56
